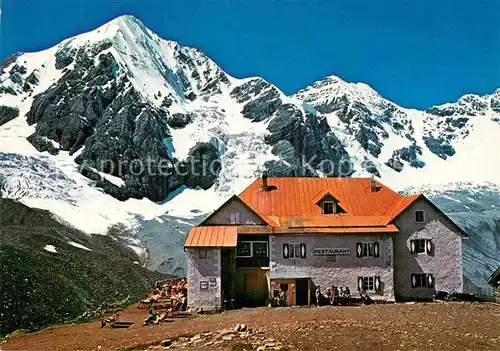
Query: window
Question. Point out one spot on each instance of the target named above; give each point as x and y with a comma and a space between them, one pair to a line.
422, 280
294, 250
252, 249
244, 249
259, 249
203, 253
235, 218
421, 246
368, 283
369, 249
372, 283
329, 207
419, 216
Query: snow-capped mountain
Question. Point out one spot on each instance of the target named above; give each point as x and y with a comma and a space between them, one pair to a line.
119, 126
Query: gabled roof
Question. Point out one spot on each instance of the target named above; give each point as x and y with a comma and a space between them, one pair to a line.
406, 201
401, 205
262, 216
494, 279
323, 195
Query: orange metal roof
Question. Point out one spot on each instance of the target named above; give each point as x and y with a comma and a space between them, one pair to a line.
291, 208
212, 236
390, 228
401, 205
340, 220
296, 196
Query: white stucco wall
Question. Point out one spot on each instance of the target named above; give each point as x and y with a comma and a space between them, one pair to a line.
346, 269
444, 262
202, 269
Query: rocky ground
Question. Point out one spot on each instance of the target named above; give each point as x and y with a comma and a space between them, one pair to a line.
422, 326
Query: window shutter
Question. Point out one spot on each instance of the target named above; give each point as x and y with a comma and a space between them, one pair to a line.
428, 247
359, 249
360, 283
302, 250
430, 280
286, 252
377, 283
412, 246
375, 249
413, 280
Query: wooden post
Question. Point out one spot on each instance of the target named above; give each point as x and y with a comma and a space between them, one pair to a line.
309, 292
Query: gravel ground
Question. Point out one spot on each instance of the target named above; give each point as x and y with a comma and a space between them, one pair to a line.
420, 326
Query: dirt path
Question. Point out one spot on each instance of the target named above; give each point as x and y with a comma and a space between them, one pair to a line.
430, 326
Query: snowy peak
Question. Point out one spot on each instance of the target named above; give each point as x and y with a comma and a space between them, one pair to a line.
469, 105
121, 92
333, 86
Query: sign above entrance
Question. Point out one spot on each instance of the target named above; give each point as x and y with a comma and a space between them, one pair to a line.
330, 251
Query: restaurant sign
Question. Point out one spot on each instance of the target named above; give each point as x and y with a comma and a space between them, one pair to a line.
330, 251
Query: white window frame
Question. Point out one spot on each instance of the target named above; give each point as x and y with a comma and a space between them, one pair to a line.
261, 242
415, 216
425, 252
251, 248
242, 242
423, 277
235, 219
296, 253
368, 283
334, 206
417, 246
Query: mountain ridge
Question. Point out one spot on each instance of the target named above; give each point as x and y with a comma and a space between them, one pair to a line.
120, 96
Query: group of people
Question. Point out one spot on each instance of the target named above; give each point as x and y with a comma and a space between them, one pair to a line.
334, 296
279, 299
176, 291
171, 293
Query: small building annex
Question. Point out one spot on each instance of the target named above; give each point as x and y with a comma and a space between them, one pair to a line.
297, 233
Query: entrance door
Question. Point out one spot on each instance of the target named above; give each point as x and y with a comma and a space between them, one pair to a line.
301, 291
255, 287
227, 273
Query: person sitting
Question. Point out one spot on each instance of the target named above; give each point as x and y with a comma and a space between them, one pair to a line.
152, 318
282, 299
347, 295
365, 298
335, 296
341, 296
162, 317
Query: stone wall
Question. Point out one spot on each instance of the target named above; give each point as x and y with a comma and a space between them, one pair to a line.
445, 260
202, 269
340, 270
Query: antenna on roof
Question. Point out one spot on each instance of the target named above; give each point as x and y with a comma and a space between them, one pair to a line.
373, 185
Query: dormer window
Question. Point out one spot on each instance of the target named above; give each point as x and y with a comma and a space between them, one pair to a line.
329, 207
328, 203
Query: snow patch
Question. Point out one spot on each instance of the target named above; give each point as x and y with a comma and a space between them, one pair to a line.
50, 248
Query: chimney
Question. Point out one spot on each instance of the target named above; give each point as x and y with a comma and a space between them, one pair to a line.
373, 185
264, 180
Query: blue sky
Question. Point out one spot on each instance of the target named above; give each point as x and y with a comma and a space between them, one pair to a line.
415, 53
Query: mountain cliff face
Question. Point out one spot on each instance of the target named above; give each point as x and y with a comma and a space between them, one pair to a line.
126, 126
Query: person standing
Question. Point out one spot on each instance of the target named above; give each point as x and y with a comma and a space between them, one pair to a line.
318, 293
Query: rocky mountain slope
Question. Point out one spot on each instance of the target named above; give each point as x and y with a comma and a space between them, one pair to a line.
52, 273
120, 126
